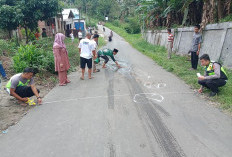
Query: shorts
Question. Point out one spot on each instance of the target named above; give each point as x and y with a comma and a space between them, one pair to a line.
85, 61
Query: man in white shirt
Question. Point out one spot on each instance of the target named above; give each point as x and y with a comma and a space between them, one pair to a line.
95, 45
87, 50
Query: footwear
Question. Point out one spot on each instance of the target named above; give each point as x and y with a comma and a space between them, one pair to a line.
68, 81
63, 84
98, 70
81, 78
212, 94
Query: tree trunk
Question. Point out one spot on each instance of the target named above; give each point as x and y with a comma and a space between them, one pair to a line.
208, 13
169, 20
227, 7
9, 31
220, 9
26, 30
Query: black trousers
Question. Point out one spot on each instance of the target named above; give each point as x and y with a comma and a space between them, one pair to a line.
212, 84
105, 58
25, 91
194, 59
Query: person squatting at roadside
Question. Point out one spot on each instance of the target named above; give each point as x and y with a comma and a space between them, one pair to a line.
22, 86
214, 77
104, 53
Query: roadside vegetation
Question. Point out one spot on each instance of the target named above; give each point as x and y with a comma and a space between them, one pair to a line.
178, 65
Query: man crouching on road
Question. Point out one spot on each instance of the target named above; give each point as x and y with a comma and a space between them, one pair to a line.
22, 86
215, 75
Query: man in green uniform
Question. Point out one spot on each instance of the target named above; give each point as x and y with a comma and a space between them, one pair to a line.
22, 86
215, 75
104, 53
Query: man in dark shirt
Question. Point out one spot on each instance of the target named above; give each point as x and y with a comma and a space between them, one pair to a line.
196, 46
214, 77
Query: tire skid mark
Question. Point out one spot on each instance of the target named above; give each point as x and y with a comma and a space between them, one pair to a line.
110, 89
163, 136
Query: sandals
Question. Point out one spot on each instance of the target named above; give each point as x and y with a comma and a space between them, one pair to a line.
98, 70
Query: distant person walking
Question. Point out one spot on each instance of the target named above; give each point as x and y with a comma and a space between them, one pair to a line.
170, 43
87, 50
111, 35
72, 36
80, 35
61, 59
196, 46
44, 33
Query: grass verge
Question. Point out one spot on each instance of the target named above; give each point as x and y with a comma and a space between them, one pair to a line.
178, 65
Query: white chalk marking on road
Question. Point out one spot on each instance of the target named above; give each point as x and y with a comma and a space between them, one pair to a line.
150, 96
160, 85
148, 84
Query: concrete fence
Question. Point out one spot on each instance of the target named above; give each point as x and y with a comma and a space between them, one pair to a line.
217, 41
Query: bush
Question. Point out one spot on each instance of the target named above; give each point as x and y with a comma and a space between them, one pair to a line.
133, 26
31, 56
116, 23
227, 18
7, 47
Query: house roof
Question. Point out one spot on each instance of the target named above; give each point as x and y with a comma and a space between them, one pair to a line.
70, 13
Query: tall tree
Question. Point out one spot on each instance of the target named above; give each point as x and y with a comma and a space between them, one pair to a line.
10, 17
35, 10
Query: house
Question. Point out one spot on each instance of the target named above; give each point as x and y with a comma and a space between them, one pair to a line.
71, 18
53, 25
64, 23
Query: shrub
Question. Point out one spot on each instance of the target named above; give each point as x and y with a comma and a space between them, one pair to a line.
132, 27
116, 23
7, 47
31, 56
227, 18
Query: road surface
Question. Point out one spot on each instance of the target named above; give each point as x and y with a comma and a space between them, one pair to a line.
137, 111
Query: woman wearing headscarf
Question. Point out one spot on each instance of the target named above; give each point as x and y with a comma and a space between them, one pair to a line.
61, 59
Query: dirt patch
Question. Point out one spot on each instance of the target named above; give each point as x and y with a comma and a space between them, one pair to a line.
10, 111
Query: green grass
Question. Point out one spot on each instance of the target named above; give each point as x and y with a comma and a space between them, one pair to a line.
227, 18
178, 65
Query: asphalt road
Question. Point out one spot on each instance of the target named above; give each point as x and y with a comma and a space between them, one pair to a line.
139, 110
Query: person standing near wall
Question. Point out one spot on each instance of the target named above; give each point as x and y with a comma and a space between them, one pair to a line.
61, 59
196, 46
170, 42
